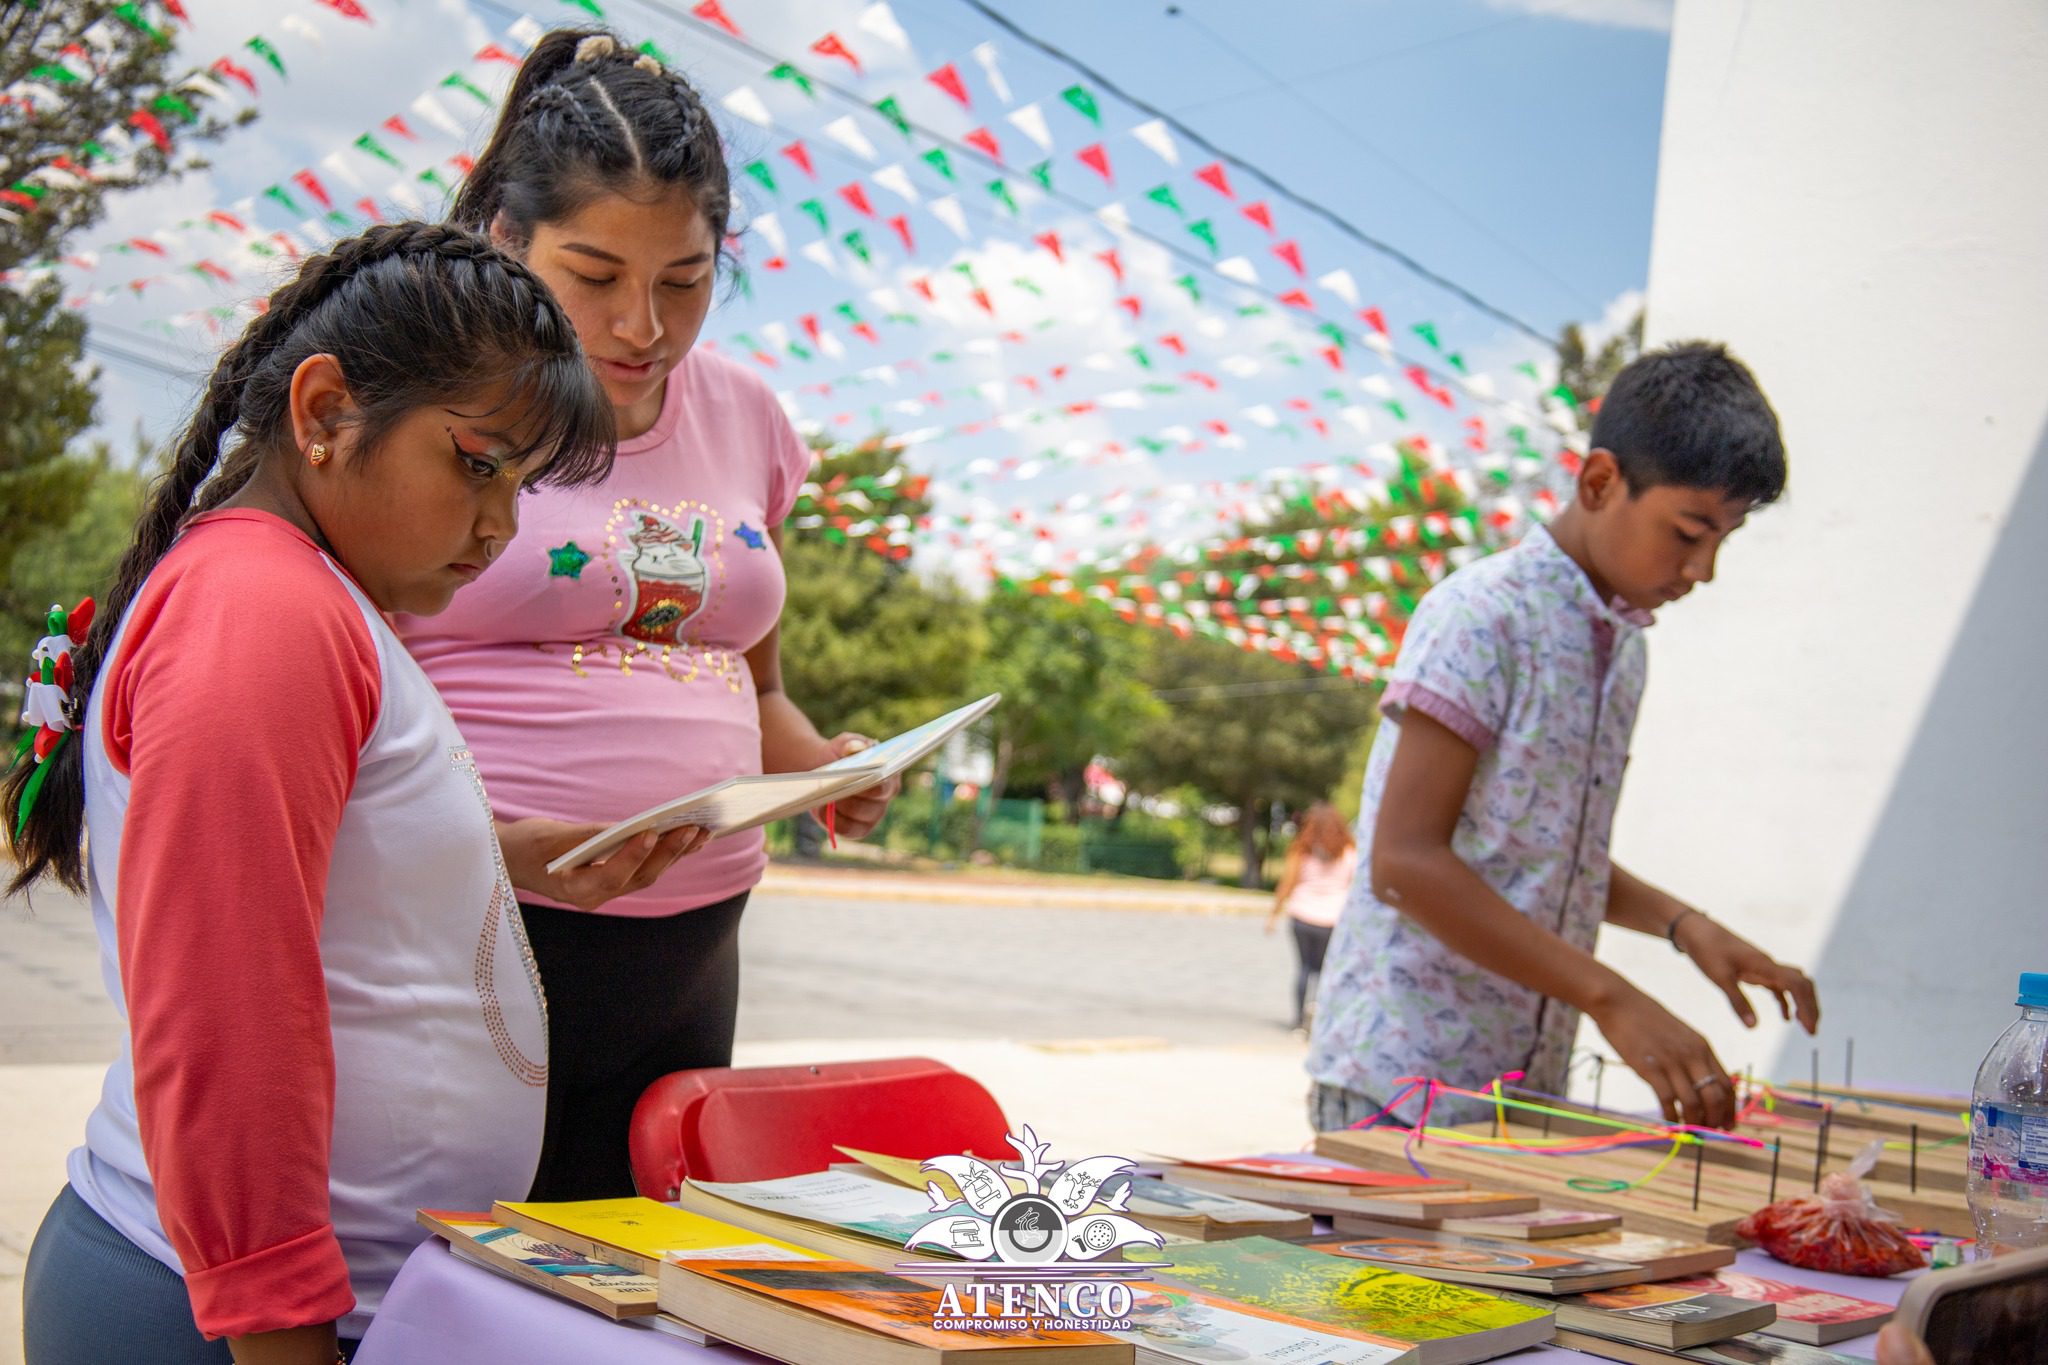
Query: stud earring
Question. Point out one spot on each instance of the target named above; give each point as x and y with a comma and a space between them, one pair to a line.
318, 453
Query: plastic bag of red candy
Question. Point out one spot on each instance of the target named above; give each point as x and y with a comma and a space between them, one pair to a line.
1840, 1230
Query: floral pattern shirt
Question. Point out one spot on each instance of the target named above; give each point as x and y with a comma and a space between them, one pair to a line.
1518, 656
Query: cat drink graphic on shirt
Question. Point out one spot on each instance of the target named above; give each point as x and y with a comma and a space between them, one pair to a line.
669, 579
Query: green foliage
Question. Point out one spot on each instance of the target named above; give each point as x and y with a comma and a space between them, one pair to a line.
45, 400
1588, 373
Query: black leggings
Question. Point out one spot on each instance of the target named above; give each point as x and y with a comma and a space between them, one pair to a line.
629, 1000
1310, 943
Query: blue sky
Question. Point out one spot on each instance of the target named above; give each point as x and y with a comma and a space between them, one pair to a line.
1508, 145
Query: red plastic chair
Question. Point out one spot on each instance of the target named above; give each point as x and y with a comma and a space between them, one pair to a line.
758, 1123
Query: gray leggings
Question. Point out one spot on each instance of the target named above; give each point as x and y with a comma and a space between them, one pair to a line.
90, 1296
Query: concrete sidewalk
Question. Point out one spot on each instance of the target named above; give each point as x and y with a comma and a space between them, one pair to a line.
1011, 889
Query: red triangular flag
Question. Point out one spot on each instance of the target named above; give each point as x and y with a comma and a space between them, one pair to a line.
801, 155
1095, 159
923, 285
397, 125
987, 305
177, 10
144, 244
711, 12
986, 141
347, 9
866, 332
1374, 319
1051, 242
775, 263
1260, 214
1113, 261
311, 185
1336, 359
491, 52
858, 198
150, 124
228, 221
809, 322
1173, 343
225, 66
368, 208
830, 46
902, 226
463, 162
1130, 304
948, 80
1290, 253
1212, 175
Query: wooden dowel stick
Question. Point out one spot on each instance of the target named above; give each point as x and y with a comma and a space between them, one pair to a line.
1913, 1158
1820, 1153
1777, 1151
1599, 1074
1813, 1086
1699, 1155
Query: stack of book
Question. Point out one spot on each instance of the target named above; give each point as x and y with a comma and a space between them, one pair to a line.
1347, 1192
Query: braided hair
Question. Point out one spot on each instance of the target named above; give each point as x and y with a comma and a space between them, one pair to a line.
414, 314
588, 116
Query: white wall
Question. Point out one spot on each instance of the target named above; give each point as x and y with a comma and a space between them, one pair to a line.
1843, 751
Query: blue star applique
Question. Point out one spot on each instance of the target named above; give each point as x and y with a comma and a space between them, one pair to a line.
567, 561
753, 539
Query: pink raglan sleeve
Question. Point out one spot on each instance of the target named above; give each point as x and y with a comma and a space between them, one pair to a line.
239, 707
1456, 666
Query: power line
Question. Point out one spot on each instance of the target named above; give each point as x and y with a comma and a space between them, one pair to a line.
1335, 220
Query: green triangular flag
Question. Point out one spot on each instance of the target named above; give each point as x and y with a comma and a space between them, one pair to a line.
759, 170
1001, 190
369, 144
847, 310
171, 104
1137, 353
277, 192
743, 282
1335, 335
92, 151
1427, 331
1205, 232
889, 109
433, 177
457, 81
1164, 196
1564, 392
1400, 413
858, 245
261, 250
340, 220
130, 15
50, 71
786, 72
651, 50
1528, 368
936, 159
817, 211
1042, 173
800, 352
1456, 362
262, 48
589, 6
1083, 102
1029, 286
1194, 289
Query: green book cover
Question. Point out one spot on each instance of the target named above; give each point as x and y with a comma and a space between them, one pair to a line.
1341, 1293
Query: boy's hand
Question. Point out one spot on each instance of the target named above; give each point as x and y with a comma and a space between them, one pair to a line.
1691, 1084
1732, 962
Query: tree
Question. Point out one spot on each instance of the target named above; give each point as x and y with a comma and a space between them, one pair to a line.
1248, 730
867, 644
1588, 373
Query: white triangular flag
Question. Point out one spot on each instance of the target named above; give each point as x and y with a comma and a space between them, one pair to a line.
1030, 121
338, 168
1155, 136
1263, 414
896, 180
403, 195
820, 255
1122, 398
293, 24
844, 132
525, 31
1340, 283
747, 105
1239, 269
889, 301
777, 334
428, 108
770, 227
1239, 366
880, 20
948, 211
1116, 218
986, 55
1099, 360
831, 346
208, 87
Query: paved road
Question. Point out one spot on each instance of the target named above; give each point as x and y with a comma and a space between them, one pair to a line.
815, 967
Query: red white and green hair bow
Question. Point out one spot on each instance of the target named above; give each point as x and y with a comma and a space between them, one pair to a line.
47, 696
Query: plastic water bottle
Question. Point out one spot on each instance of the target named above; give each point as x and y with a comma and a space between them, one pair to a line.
2009, 1130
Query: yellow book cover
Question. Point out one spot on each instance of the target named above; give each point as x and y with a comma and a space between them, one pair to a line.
642, 1233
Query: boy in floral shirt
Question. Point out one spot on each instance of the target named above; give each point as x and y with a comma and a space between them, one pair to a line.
1466, 948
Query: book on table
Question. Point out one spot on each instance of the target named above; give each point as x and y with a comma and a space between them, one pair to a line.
1814, 1317
1428, 1203
1663, 1257
1542, 1225
1311, 1173
1441, 1324
1490, 1265
640, 1233
845, 1313
1166, 1207
1753, 1348
852, 1216
1177, 1325
1662, 1315
568, 1272
748, 802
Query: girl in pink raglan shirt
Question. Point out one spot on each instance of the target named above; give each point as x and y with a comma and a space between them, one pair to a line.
332, 1017
627, 653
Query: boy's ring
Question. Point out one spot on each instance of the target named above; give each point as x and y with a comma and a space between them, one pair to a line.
1703, 1082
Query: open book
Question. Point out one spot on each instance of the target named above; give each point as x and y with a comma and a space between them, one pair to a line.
742, 803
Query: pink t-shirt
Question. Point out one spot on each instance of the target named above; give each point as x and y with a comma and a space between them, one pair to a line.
598, 667
1321, 886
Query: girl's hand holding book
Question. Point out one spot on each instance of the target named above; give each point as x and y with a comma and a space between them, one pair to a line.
530, 845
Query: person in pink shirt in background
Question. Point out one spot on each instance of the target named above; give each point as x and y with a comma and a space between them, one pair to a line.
1314, 882
627, 653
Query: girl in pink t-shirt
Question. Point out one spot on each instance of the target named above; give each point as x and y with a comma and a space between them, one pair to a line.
303, 919
627, 653
1314, 882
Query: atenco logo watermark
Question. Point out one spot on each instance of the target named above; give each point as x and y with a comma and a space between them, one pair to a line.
1032, 1232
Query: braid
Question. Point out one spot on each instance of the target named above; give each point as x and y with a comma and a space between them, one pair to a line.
417, 333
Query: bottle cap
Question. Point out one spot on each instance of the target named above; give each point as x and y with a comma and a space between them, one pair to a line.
2033, 991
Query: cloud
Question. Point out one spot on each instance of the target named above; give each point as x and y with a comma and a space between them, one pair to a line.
1651, 15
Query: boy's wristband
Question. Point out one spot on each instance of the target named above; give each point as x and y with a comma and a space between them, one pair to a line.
1671, 929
